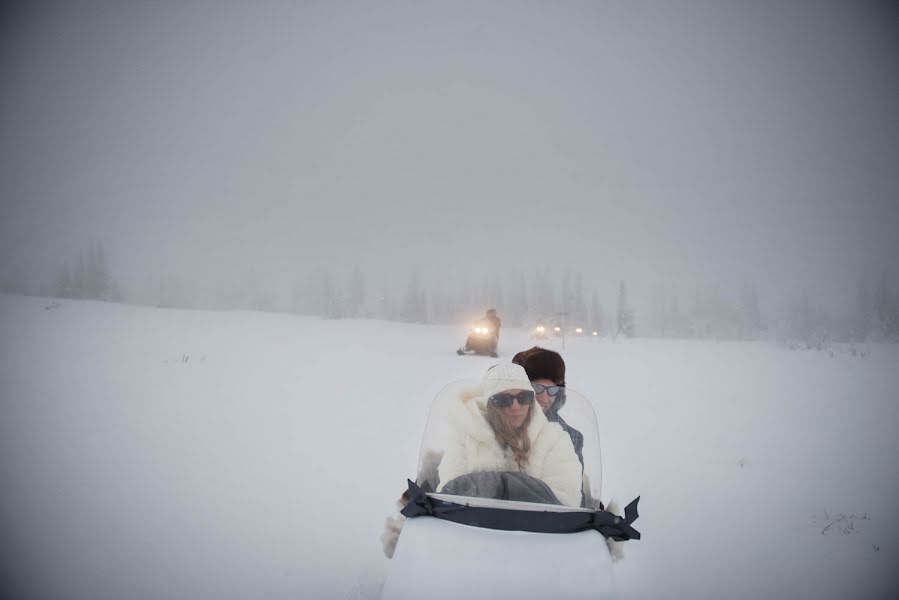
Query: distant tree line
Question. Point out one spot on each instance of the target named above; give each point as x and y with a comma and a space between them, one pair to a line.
90, 278
523, 300
519, 300
876, 318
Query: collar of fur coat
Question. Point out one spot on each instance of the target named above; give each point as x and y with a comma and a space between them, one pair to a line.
468, 417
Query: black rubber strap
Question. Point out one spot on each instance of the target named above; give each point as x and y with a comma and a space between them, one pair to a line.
608, 524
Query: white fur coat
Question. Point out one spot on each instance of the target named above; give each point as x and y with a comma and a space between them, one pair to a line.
473, 447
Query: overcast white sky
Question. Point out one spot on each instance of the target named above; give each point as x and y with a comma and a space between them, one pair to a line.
654, 141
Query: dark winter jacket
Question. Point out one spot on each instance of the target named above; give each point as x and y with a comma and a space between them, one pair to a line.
495, 322
577, 438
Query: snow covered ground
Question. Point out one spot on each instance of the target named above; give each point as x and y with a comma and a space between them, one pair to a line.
149, 453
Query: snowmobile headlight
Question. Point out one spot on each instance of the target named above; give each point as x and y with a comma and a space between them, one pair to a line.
558, 329
595, 333
540, 328
579, 330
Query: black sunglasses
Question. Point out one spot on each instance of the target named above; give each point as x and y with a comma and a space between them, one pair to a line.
505, 399
552, 390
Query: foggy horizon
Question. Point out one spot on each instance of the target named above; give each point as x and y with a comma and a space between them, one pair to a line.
681, 145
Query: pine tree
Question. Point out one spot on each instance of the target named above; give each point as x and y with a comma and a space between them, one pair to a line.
385, 308
565, 299
163, 296
115, 293
439, 305
679, 325
356, 301
882, 306
749, 315
664, 316
864, 310
886, 309
803, 318
78, 279
330, 300
654, 310
64, 282
543, 295
597, 318
102, 279
465, 301
626, 324
414, 301
578, 304
520, 303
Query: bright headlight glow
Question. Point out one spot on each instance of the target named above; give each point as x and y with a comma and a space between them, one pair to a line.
579, 330
595, 333
558, 329
540, 328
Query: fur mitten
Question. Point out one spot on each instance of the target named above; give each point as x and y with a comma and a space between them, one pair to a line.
392, 528
428, 480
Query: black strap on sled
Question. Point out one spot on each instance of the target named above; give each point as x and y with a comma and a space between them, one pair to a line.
608, 524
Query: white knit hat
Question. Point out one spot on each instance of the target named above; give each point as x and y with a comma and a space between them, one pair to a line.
504, 376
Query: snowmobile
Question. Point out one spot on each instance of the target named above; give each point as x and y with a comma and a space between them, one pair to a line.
539, 332
482, 339
514, 540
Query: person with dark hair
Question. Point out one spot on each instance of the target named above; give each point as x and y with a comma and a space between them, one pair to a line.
496, 431
546, 371
494, 321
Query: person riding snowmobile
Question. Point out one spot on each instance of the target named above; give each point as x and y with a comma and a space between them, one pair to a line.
484, 336
494, 320
533, 447
473, 450
546, 370
497, 430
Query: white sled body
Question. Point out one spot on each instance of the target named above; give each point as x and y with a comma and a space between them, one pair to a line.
441, 559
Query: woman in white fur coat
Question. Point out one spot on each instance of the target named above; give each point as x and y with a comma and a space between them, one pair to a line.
500, 428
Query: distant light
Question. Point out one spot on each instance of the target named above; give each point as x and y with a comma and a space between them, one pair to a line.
579, 330
558, 329
595, 333
540, 328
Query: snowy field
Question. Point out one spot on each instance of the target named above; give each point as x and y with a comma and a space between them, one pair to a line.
152, 453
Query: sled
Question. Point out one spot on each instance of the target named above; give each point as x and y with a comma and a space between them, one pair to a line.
477, 546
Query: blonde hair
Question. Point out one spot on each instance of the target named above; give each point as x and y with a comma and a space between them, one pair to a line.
509, 436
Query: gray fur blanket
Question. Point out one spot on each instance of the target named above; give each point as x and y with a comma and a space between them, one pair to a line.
501, 485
